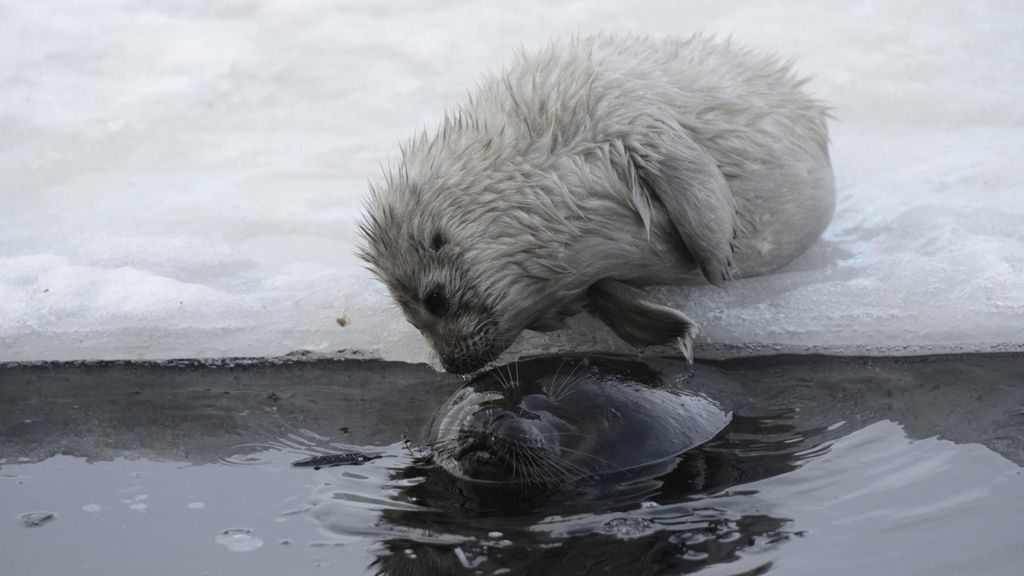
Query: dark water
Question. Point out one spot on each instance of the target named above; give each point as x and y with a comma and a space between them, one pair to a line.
830, 466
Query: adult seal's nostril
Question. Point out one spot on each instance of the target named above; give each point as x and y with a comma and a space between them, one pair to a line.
493, 429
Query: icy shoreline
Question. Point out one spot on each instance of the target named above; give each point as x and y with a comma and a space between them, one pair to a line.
180, 180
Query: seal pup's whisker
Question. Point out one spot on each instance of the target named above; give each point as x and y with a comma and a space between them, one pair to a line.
509, 377
512, 378
556, 384
558, 371
566, 388
505, 383
555, 392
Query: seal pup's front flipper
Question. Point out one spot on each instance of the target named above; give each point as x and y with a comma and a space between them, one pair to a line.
697, 198
628, 312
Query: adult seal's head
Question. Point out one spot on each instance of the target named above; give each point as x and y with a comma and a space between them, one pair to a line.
588, 171
556, 420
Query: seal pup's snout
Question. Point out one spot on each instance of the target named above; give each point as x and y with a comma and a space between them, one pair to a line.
468, 351
457, 364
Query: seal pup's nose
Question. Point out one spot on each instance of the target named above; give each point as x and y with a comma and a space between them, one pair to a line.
460, 364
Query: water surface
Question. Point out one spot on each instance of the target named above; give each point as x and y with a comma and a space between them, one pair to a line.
830, 466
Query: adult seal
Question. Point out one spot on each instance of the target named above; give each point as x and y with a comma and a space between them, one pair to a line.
589, 170
556, 421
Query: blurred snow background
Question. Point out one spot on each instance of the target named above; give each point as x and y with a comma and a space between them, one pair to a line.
181, 178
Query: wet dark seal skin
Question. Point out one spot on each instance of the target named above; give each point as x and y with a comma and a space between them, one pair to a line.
556, 420
588, 171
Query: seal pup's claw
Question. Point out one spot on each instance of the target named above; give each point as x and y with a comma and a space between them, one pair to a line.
685, 344
627, 311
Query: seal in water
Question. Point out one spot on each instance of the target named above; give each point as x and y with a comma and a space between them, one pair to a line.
555, 420
590, 170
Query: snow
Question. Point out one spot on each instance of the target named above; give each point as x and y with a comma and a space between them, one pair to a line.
180, 179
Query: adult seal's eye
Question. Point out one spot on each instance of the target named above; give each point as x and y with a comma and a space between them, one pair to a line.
436, 302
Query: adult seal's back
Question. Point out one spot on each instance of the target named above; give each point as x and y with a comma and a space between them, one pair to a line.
557, 420
590, 170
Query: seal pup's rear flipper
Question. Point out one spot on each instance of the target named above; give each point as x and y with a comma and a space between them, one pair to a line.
686, 179
627, 311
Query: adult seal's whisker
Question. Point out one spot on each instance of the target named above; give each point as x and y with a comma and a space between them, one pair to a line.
622, 415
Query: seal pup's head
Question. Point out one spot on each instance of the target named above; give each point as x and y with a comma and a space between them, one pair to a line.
470, 243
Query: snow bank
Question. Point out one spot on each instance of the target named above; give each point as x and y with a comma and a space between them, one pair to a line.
180, 179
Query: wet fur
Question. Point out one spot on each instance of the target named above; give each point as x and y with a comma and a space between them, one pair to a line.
592, 169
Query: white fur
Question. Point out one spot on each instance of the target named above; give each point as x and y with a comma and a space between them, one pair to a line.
600, 159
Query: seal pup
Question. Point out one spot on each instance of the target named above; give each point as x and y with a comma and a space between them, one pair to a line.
556, 420
587, 171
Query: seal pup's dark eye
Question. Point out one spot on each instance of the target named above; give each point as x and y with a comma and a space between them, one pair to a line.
435, 301
437, 242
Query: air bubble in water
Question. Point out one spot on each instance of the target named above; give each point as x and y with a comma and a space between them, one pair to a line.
239, 540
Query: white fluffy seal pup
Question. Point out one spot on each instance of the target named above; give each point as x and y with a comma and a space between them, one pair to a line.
589, 170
